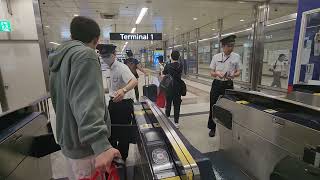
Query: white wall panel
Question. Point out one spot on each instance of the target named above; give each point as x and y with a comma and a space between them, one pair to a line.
21, 69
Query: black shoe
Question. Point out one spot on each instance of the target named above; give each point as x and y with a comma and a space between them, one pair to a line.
212, 133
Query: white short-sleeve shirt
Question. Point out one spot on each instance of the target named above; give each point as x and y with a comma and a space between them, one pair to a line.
120, 75
225, 64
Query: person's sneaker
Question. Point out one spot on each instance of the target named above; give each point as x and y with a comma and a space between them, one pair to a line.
212, 133
176, 125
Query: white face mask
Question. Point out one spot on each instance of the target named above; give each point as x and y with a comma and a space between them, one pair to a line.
108, 60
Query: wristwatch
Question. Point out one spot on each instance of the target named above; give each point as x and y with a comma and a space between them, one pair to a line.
124, 90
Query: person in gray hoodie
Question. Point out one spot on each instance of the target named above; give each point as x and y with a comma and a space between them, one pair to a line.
82, 119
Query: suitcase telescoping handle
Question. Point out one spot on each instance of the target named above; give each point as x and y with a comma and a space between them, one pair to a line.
147, 76
118, 170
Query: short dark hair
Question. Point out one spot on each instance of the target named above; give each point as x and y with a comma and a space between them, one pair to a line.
129, 53
175, 55
84, 29
160, 59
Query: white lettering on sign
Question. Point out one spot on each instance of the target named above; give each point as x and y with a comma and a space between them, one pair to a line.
122, 36
138, 36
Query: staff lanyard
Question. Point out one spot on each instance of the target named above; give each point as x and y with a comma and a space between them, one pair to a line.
223, 61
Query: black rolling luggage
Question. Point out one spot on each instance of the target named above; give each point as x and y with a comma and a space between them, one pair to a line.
150, 90
291, 168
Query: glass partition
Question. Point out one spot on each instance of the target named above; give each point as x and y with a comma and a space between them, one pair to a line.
204, 57
191, 61
308, 58
206, 47
278, 44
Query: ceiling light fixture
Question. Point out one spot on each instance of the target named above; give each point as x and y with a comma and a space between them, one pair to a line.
47, 26
213, 29
195, 18
54, 43
75, 15
124, 46
142, 13
133, 30
281, 22
241, 20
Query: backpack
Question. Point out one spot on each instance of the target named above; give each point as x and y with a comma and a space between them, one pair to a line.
183, 89
167, 83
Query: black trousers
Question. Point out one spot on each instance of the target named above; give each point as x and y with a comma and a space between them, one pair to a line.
121, 114
174, 98
218, 88
276, 79
136, 90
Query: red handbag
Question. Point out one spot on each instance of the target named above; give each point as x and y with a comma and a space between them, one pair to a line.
161, 100
113, 175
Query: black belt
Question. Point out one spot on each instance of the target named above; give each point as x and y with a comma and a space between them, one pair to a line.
223, 82
123, 100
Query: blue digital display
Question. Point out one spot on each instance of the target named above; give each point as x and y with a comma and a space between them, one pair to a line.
156, 55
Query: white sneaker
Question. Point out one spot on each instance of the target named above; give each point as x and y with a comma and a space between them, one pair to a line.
176, 125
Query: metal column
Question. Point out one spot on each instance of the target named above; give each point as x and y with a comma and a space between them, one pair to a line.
188, 51
42, 44
197, 50
261, 18
3, 99
164, 47
220, 29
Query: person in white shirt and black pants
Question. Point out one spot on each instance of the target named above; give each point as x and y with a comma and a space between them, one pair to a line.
121, 83
224, 66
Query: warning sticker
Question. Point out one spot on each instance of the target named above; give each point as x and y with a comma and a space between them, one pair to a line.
270, 111
243, 102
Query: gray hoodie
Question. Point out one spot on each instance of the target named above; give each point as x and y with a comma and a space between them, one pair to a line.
83, 122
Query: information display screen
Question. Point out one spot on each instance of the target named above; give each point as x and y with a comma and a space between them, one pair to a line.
156, 55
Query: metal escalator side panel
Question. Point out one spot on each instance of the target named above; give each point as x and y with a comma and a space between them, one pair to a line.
189, 164
153, 147
140, 119
172, 178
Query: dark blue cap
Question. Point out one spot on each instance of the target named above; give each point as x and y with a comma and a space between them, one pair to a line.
229, 40
106, 48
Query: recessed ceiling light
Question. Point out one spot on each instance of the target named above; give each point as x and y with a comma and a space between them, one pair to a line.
75, 15
142, 13
47, 26
195, 18
177, 28
213, 29
241, 2
241, 20
54, 43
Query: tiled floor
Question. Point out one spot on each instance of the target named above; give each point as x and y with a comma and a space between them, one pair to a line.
193, 127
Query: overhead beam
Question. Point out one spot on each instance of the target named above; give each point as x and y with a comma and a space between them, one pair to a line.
255, 1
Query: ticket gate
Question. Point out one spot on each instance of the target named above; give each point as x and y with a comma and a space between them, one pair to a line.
163, 151
307, 94
257, 131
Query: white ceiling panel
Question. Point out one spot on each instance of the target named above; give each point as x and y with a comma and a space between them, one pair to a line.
171, 17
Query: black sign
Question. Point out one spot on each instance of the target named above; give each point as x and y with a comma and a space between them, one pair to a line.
136, 36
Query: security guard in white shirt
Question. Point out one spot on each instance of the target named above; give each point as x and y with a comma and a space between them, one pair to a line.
224, 67
121, 83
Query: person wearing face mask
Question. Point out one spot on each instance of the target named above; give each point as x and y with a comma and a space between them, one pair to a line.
225, 66
121, 83
82, 119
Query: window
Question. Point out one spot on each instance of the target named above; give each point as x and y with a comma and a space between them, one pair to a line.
278, 44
